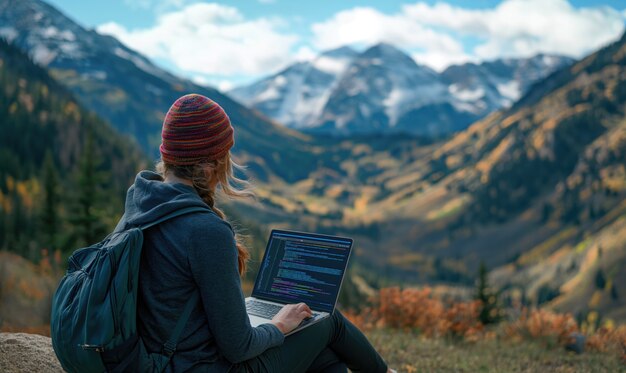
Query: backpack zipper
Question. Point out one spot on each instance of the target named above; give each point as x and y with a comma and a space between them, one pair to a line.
96, 348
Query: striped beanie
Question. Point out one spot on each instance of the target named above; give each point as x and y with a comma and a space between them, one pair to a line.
195, 129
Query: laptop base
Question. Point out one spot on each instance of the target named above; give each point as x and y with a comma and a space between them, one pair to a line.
257, 320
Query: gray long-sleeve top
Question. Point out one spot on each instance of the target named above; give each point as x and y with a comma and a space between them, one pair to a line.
191, 253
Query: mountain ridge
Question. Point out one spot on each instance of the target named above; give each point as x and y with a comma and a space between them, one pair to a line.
465, 93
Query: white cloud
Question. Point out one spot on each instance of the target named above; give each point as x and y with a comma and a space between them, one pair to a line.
433, 34
305, 53
367, 26
525, 27
211, 39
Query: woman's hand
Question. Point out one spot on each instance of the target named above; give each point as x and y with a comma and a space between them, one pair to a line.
290, 316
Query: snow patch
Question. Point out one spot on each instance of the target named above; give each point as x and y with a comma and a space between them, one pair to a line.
139, 62
393, 101
550, 61
271, 93
511, 90
42, 55
52, 32
466, 94
71, 50
9, 33
334, 66
280, 81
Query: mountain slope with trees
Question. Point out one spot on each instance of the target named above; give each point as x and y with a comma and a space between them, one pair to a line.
63, 171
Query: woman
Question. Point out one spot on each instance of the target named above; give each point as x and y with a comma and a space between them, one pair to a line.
198, 252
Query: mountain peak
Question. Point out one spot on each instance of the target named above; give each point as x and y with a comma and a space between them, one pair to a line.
341, 52
384, 49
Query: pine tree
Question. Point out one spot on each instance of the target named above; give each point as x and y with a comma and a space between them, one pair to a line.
89, 226
49, 213
489, 309
600, 279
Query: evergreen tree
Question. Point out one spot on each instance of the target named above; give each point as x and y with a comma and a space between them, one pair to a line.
489, 309
600, 279
89, 227
49, 213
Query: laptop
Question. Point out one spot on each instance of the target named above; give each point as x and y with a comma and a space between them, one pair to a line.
299, 267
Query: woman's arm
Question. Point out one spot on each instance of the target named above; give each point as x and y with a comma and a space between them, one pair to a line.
213, 261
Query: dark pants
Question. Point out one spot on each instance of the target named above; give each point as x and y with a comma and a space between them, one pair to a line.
332, 345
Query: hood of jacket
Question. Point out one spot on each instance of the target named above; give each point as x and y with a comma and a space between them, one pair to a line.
149, 199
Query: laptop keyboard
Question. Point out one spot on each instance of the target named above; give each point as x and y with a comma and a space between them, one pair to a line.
262, 309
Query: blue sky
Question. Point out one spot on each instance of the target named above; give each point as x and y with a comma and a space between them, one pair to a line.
235, 42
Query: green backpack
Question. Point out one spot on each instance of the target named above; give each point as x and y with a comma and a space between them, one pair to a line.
94, 310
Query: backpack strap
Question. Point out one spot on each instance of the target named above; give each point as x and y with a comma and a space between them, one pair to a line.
186, 210
169, 347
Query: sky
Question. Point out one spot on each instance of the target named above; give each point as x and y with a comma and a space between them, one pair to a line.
232, 43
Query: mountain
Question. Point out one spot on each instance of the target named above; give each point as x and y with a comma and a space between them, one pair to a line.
44, 131
537, 191
126, 89
383, 90
295, 96
493, 85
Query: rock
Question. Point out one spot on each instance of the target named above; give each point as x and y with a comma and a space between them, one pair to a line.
576, 343
20, 352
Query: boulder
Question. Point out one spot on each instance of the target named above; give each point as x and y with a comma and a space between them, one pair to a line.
21, 352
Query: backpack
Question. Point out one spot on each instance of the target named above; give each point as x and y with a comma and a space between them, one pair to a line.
94, 310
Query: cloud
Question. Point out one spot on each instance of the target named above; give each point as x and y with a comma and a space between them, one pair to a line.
367, 26
211, 39
434, 34
524, 28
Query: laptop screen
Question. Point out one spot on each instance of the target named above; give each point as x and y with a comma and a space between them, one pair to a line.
303, 267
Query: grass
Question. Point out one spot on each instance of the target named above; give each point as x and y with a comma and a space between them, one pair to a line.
408, 352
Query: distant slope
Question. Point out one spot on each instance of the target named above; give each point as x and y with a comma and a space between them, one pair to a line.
130, 92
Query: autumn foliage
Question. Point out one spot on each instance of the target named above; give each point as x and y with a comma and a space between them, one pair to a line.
419, 310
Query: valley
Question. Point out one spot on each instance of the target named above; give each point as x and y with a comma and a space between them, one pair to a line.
536, 190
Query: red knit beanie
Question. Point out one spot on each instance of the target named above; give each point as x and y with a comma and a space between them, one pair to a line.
195, 128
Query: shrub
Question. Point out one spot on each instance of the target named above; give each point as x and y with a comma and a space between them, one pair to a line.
549, 327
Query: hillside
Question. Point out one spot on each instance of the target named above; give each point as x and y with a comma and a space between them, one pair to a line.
127, 90
44, 138
540, 186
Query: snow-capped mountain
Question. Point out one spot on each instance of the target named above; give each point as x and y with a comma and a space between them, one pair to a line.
382, 89
296, 95
496, 84
53, 40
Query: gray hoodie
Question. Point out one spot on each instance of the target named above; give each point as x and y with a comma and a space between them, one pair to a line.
187, 254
